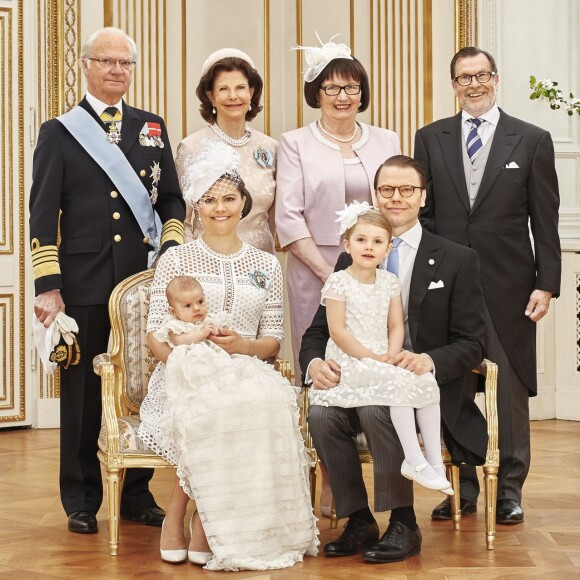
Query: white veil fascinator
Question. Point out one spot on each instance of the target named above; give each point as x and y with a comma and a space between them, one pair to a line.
225, 53
213, 161
350, 214
317, 57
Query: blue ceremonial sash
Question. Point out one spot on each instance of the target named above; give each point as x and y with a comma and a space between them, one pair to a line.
90, 135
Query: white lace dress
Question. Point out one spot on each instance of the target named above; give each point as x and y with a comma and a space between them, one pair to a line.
230, 423
368, 381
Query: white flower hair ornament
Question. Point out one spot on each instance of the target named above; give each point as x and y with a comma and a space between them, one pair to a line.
213, 160
349, 215
317, 57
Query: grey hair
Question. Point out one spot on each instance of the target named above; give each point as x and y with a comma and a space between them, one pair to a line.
88, 44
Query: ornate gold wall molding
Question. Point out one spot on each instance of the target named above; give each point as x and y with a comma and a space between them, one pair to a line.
466, 23
7, 137
59, 47
12, 312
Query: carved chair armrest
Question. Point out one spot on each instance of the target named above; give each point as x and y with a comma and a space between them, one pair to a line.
103, 367
99, 361
489, 370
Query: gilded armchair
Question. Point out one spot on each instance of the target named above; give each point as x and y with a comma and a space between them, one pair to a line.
487, 369
125, 374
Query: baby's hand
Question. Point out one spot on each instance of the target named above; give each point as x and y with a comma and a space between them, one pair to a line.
208, 328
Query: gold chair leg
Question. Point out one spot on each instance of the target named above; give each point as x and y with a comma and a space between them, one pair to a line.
453, 477
490, 488
114, 478
333, 518
313, 484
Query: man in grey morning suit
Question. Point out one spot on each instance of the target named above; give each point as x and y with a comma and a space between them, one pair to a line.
444, 333
488, 174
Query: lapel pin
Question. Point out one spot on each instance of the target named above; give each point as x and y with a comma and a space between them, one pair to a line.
431, 262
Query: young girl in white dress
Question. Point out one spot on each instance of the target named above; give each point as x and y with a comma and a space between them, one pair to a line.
214, 408
365, 320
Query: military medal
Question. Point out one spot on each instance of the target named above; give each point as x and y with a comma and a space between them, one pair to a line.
114, 135
150, 135
155, 177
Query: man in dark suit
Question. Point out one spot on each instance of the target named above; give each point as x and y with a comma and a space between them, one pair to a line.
87, 234
444, 330
488, 175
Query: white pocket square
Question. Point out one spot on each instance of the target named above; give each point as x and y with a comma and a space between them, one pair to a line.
435, 285
512, 165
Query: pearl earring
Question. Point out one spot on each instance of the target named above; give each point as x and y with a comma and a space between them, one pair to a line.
250, 107
213, 110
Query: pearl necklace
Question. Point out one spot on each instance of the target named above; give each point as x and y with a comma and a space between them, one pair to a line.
339, 139
230, 140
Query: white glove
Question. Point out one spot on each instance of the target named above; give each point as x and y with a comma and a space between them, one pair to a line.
66, 327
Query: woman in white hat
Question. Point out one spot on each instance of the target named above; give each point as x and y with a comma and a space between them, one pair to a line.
229, 91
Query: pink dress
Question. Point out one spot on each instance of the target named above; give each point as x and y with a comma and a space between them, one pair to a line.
313, 182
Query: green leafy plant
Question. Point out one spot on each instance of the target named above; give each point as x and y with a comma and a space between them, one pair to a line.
548, 90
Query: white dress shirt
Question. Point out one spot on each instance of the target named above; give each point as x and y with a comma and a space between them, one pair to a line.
407, 254
100, 107
486, 130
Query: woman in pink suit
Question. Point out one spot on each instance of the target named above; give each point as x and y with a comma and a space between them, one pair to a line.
322, 167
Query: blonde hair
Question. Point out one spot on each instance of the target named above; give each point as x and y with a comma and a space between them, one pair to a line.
373, 217
180, 284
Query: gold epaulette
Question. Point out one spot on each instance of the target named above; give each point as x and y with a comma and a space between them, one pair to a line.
44, 260
172, 230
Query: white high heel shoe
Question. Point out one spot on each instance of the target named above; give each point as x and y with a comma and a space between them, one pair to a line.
199, 558
438, 483
173, 556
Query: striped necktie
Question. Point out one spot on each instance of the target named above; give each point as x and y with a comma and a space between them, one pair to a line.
393, 260
111, 115
474, 143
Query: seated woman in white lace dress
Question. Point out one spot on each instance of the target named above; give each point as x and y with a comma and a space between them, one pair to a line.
365, 320
223, 416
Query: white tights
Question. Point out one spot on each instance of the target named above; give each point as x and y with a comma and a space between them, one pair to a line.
429, 420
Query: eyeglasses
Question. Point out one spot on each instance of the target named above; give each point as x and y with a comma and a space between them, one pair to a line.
482, 77
387, 191
334, 90
109, 63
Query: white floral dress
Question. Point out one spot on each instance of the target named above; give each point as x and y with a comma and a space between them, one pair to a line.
368, 381
230, 423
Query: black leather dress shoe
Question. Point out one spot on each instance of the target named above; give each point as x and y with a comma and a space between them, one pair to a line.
82, 523
398, 543
509, 511
443, 510
152, 515
357, 534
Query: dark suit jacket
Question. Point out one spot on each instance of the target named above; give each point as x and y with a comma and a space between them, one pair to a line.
446, 323
69, 185
497, 226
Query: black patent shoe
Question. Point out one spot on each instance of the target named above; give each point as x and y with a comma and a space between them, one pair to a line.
443, 510
397, 544
152, 515
357, 534
509, 511
82, 522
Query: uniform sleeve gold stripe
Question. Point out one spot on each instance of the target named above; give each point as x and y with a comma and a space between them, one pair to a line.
172, 230
44, 256
46, 269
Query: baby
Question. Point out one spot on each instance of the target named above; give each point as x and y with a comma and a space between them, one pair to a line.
189, 322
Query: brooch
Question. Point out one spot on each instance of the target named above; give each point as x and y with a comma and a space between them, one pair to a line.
150, 135
260, 279
264, 157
